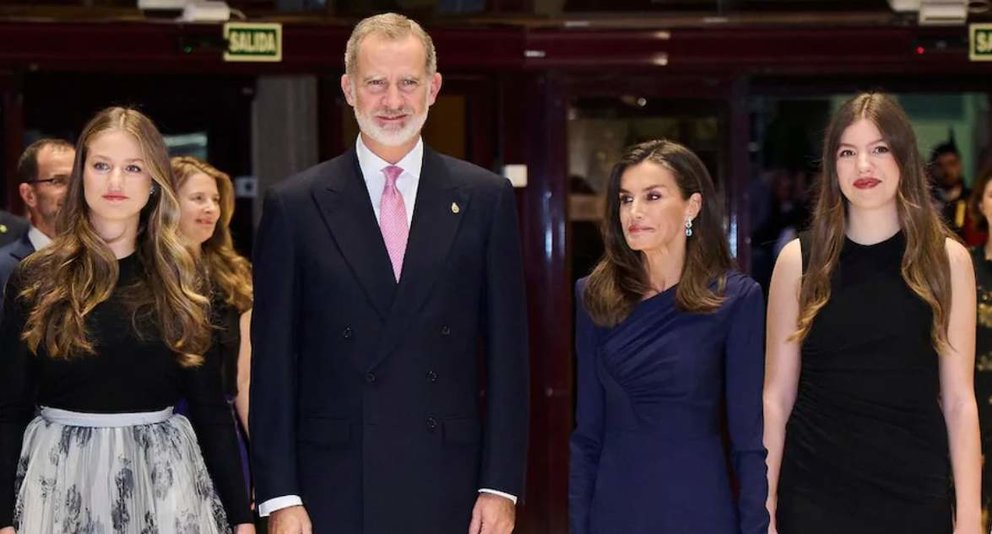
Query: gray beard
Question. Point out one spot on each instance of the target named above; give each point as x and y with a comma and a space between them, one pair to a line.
391, 138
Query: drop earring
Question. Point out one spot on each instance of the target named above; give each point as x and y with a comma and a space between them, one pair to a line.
688, 227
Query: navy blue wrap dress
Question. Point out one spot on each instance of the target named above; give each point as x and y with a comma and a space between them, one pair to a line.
647, 454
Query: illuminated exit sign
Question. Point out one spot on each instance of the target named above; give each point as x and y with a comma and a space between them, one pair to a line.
980, 38
253, 41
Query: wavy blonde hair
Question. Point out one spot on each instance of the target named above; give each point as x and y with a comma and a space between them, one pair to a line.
65, 281
925, 265
227, 271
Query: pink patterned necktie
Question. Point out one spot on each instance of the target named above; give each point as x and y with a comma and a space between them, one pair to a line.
392, 219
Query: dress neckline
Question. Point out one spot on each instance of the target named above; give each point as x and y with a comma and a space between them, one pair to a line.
887, 241
656, 296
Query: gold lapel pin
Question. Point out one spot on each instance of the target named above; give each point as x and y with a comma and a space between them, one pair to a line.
455, 208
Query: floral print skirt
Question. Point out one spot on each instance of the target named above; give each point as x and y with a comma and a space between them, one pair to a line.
128, 473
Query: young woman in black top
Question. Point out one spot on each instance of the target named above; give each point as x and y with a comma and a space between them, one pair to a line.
101, 331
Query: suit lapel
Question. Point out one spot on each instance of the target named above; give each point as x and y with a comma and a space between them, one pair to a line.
23, 251
344, 204
437, 214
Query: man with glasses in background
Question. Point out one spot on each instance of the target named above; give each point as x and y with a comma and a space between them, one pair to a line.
43, 170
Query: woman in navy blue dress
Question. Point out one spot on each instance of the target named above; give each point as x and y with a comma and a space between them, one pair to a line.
668, 339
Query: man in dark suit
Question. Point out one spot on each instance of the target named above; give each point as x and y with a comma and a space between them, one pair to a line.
379, 276
43, 170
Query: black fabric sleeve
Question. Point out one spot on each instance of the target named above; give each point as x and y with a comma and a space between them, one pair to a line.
214, 424
18, 393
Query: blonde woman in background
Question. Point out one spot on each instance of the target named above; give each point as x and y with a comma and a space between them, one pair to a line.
206, 200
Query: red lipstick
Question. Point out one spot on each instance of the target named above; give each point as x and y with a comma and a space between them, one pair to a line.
866, 183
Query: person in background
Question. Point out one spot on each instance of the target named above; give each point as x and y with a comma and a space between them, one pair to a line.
102, 332
980, 204
206, 202
949, 189
43, 169
869, 394
668, 336
12, 227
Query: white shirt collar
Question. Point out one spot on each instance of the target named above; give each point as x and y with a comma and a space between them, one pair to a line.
372, 164
407, 183
37, 238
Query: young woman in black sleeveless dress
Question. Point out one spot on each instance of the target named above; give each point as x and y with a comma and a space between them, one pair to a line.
869, 403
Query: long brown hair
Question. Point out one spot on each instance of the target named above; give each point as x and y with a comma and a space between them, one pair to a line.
228, 271
620, 281
65, 281
925, 266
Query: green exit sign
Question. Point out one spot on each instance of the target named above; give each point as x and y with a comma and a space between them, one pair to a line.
253, 41
981, 42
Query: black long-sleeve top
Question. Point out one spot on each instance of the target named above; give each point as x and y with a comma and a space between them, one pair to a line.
226, 341
130, 372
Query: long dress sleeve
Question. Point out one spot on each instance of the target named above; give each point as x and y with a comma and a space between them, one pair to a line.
587, 438
214, 426
18, 392
745, 377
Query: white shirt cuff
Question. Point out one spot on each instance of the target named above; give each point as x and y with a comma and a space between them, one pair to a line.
278, 503
513, 498
286, 501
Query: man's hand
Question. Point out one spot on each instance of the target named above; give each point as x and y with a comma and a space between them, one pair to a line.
492, 514
7, 530
291, 520
244, 528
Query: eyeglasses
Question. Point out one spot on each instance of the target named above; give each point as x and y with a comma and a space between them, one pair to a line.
56, 182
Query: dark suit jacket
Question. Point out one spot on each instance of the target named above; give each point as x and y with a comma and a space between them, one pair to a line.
365, 393
12, 228
10, 255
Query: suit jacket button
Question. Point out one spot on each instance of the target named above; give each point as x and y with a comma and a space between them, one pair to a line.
432, 376
347, 332
370, 378
431, 424
445, 331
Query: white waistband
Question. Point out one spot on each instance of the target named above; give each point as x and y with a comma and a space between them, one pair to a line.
109, 420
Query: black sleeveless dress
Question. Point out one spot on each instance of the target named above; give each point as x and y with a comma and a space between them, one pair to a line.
866, 446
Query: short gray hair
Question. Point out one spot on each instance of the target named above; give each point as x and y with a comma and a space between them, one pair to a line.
393, 27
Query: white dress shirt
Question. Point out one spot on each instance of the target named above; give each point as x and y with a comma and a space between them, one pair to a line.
38, 239
375, 180
407, 183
